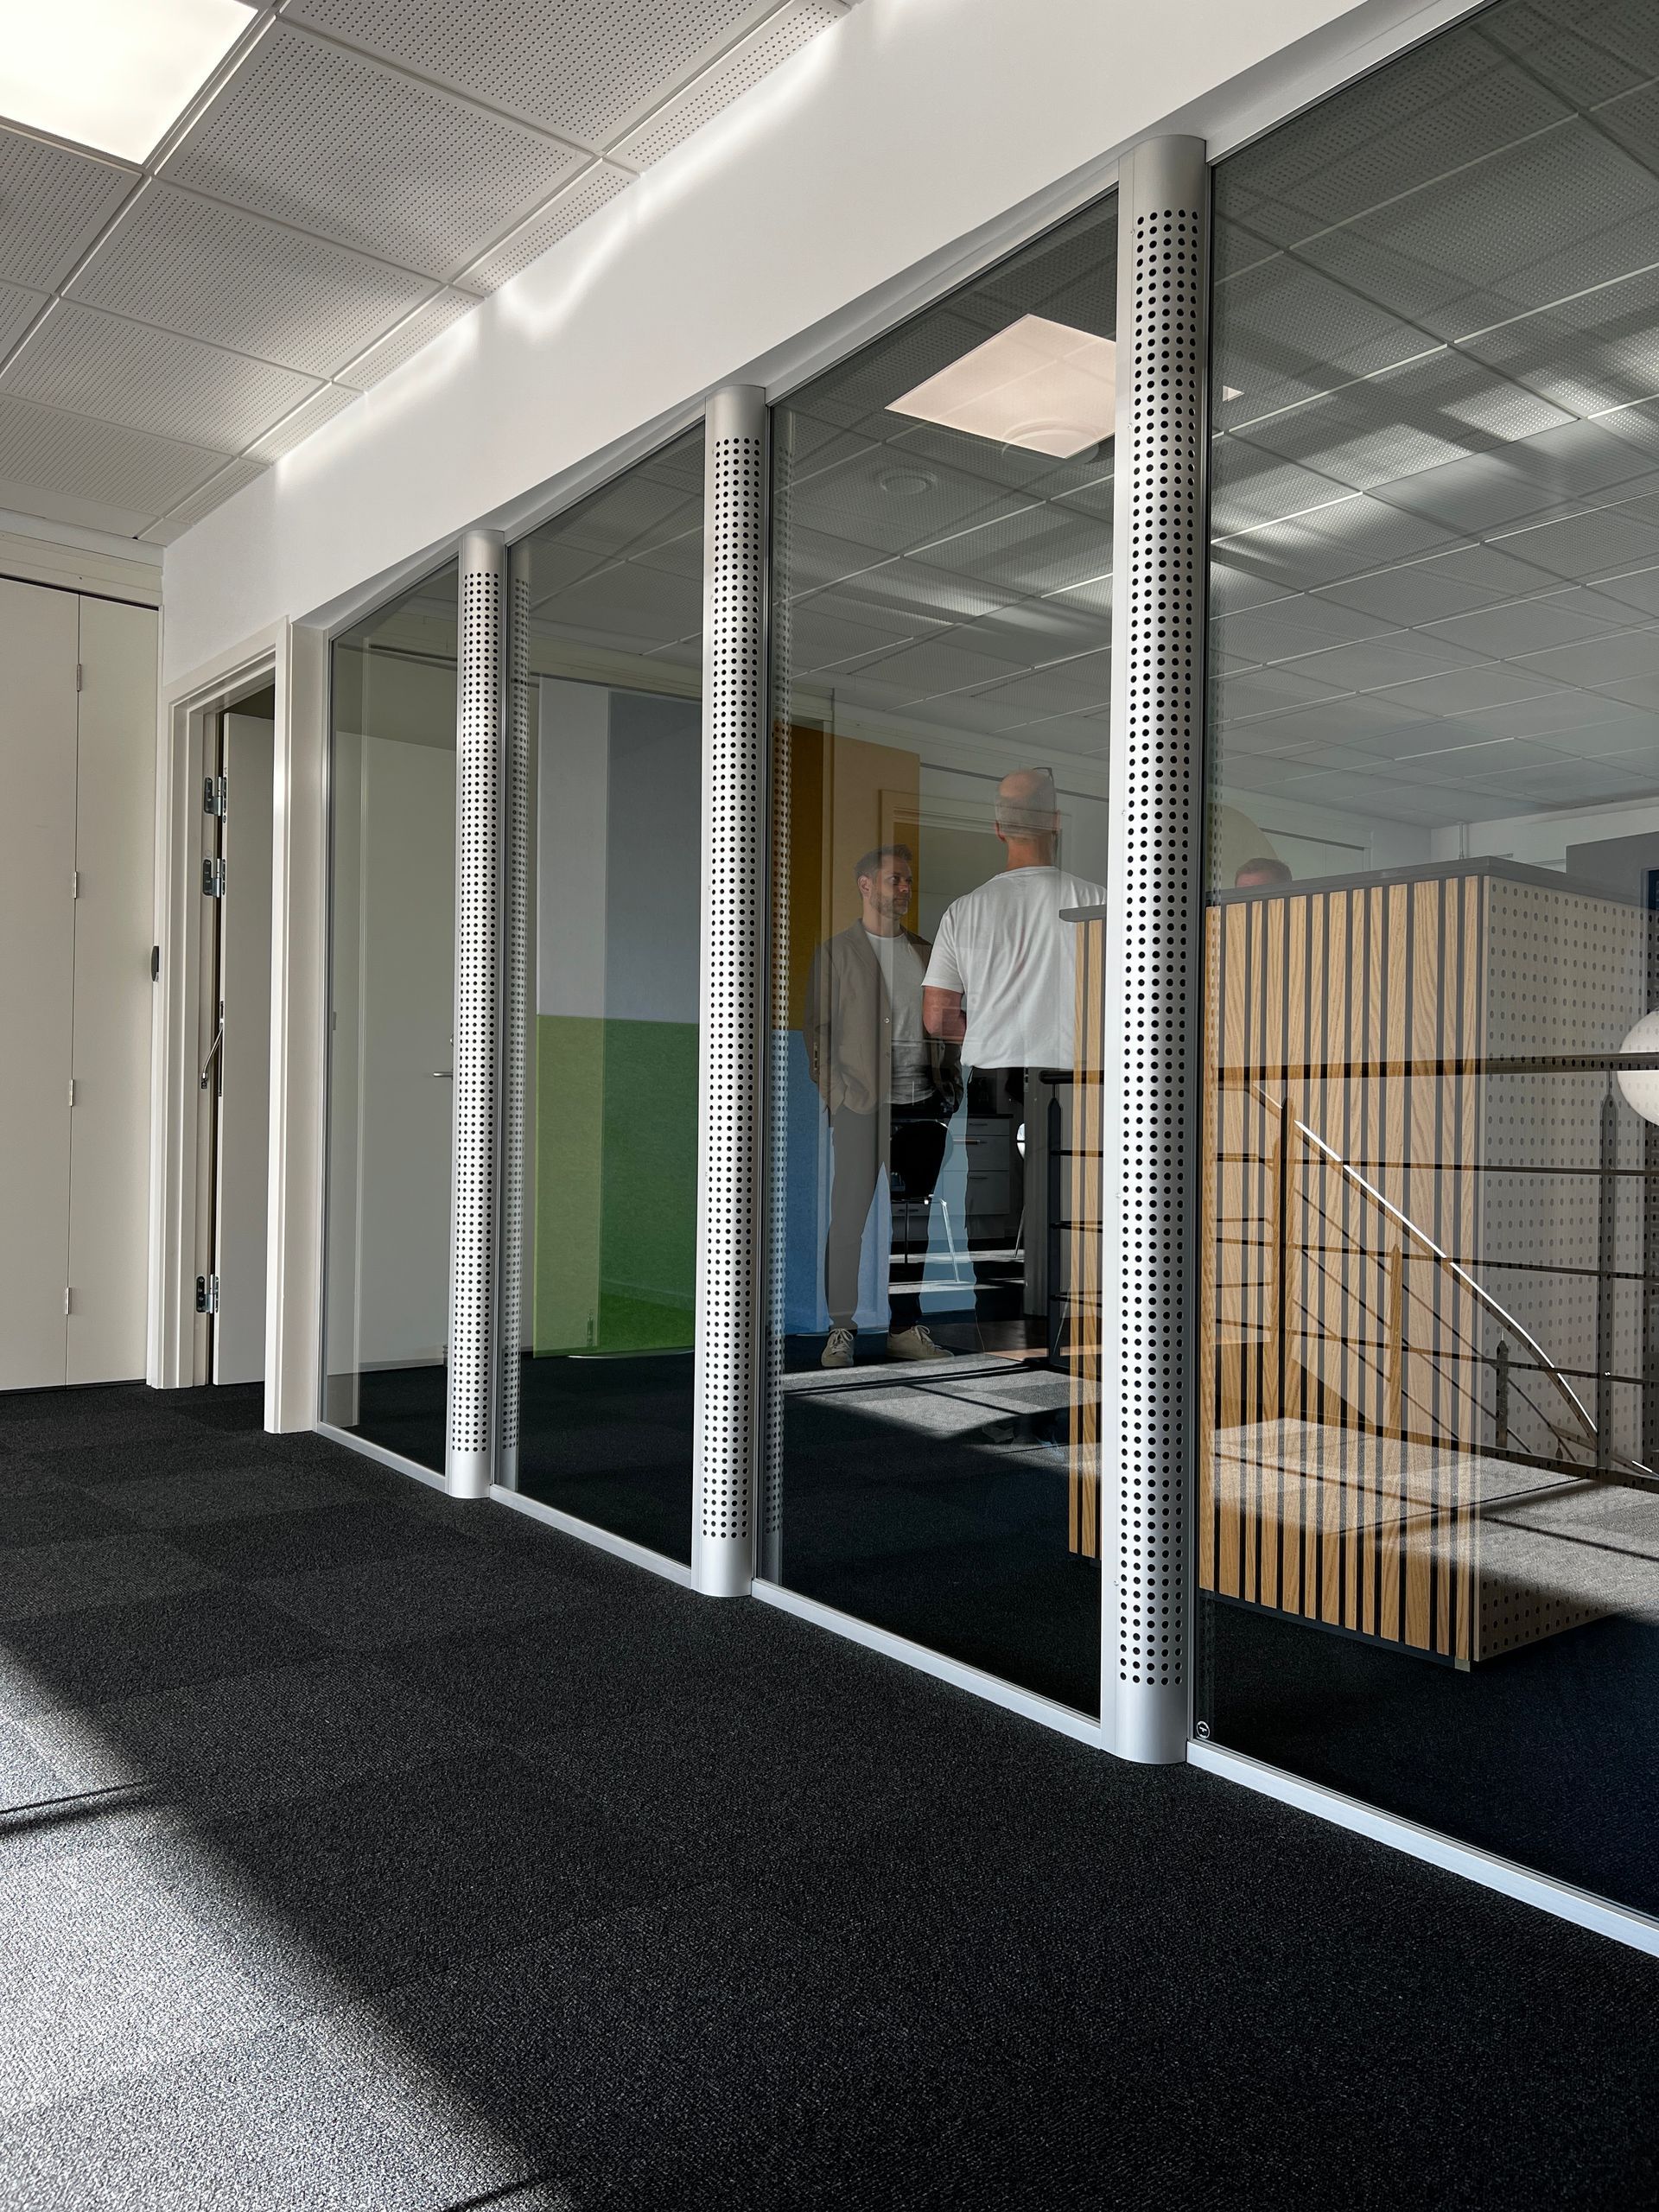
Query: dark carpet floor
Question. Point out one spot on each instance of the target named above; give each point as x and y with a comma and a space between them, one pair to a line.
365, 1850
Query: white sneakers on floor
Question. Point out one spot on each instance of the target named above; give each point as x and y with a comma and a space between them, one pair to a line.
902, 1344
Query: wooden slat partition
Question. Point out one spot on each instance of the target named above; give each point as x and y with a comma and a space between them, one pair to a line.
1340, 1362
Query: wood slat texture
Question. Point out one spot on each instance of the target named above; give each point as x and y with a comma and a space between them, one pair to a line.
1346, 1360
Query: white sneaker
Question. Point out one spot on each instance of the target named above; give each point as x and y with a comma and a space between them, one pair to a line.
915, 1343
838, 1352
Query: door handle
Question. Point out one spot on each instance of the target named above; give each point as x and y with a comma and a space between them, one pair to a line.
212, 1054
447, 1074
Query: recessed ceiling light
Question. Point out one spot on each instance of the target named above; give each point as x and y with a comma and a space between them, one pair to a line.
1038, 384
905, 483
111, 74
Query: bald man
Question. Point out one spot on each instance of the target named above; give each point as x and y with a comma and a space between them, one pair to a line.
1002, 981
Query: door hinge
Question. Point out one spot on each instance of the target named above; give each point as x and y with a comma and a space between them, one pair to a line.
74, 883
155, 964
72, 1091
215, 797
68, 1295
213, 878
206, 1293
80, 676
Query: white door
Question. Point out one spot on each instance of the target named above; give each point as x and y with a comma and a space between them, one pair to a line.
244, 1147
38, 637
115, 917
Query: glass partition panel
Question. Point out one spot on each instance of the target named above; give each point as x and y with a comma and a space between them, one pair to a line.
1429, 1518
941, 609
391, 1019
609, 1228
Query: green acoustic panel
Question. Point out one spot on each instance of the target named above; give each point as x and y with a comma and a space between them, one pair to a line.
616, 1183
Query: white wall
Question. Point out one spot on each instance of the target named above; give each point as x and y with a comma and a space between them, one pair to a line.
853, 173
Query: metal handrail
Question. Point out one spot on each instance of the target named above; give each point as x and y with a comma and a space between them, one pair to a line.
1477, 1289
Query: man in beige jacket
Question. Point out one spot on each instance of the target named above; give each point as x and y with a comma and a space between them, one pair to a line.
888, 1086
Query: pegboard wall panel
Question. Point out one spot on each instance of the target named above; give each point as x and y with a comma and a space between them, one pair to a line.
729, 1224
749, 62
1157, 779
517, 1014
476, 1079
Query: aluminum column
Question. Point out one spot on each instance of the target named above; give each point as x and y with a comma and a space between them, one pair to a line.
732, 992
475, 1301
1153, 943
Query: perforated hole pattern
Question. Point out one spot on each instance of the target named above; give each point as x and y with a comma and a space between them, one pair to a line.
1162, 747
479, 732
520, 699
735, 706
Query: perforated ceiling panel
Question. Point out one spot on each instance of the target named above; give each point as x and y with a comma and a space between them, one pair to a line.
591, 67
98, 461
429, 321
230, 479
125, 372
728, 79
52, 204
220, 274
572, 206
339, 146
367, 169
310, 414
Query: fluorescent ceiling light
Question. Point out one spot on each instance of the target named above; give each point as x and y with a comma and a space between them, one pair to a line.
1038, 384
110, 73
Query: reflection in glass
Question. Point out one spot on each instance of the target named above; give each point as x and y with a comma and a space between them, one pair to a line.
1429, 1529
614, 664
941, 586
391, 1019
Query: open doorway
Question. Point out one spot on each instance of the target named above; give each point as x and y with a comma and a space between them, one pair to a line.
233, 1082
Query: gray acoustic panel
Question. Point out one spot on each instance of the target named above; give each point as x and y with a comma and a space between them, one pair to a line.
124, 372
310, 135
585, 72
231, 278
310, 414
102, 462
232, 478
18, 308
572, 206
52, 205
754, 58
429, 321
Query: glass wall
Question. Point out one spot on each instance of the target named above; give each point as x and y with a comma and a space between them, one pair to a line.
392, 1023
1428, 1535
941, 612
609, 1228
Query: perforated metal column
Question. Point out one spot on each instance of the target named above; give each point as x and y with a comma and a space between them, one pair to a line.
1152, 940
516, 1012
732, 995
473, 1291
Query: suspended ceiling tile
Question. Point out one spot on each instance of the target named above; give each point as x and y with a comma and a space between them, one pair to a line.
149, 379
231, 480
584, 74
52, 205
428, 321
310, 414
221, 274
754, 58
18, 308
572, 206
310, 135
104, 461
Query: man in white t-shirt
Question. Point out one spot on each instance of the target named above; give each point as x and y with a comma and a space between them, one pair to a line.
1002, 984
888, 1088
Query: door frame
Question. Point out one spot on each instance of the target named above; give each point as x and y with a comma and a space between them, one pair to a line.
293, 658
